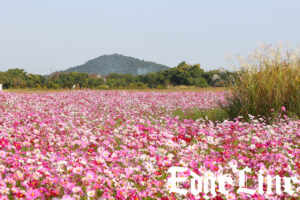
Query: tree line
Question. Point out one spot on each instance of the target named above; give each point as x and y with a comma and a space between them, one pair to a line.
183, 74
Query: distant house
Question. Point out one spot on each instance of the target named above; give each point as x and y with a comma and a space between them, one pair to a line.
0, 87
104, 77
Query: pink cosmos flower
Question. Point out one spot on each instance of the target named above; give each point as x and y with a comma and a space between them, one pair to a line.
76, 189
121, 193
53, 136
283, 108
193, 164
90, 175
2, 154
77, 170
4, 197
231, 196
3, 142
67, 197
90, 193
32, 194
128, 172
105, 154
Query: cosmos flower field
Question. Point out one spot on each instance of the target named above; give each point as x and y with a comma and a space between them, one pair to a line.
120, 145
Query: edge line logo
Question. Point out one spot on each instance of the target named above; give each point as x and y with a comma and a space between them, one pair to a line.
203, 183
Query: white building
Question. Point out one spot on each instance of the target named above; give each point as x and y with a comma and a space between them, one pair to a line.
0, 87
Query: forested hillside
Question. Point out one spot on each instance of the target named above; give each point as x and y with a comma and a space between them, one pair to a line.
118, 64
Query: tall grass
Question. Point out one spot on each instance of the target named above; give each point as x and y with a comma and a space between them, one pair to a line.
267, 84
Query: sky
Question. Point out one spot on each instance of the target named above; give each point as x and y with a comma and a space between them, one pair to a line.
52, 35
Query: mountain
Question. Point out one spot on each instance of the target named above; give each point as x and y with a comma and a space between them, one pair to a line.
117, 63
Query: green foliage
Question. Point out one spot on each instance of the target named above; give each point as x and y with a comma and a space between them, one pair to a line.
115, 80
215, 114
68, 80
183, 74
154, 79
94, 82
138, 85
51, 84
199, 82
18, 78
226, 78
270, 82
160, 87
103, 87
35, 81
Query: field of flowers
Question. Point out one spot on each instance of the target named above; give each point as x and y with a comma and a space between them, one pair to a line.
120, 145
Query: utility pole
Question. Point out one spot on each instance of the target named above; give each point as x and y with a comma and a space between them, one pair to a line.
51, 72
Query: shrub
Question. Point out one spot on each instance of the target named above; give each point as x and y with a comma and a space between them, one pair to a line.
200, 82
103, 87
160, 87
140, 85
267, 81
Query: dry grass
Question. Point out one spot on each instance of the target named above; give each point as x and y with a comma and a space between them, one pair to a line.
32, 90
268, 81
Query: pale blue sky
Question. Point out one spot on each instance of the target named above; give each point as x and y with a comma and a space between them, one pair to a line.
38, 35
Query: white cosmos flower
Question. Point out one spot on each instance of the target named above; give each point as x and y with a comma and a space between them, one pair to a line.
91, 193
